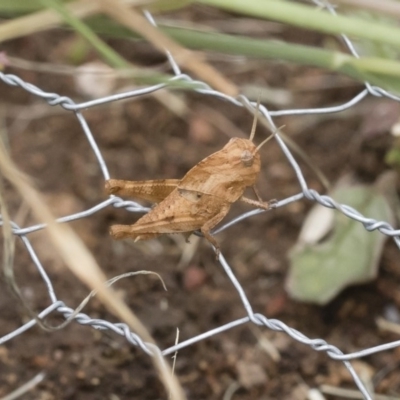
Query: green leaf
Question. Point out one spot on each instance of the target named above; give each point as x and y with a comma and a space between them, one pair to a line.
348, 255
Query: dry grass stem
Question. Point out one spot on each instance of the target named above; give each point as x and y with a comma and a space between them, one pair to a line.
130, 18
351, 394
49, 19
386, 325
82, 263
25, 388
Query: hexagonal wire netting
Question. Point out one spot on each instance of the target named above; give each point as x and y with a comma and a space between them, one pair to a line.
57, 306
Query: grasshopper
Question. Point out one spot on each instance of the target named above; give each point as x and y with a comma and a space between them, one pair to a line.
198, 201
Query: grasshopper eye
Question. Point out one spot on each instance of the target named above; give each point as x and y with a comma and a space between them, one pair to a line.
247, 158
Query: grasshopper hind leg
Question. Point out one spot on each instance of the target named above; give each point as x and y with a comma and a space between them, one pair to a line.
125, 232
212, 240
205, 229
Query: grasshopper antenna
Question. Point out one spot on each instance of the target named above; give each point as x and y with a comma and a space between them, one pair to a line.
253, 128
268, 138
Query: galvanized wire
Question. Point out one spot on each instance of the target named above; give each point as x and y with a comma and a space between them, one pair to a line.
57, 306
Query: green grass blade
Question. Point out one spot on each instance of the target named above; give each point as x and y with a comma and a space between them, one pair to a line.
21, 7
382, 72
106, 51
108, 54
13, 7
112, 57
311, 17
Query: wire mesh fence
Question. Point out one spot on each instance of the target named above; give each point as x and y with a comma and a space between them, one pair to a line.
59, 307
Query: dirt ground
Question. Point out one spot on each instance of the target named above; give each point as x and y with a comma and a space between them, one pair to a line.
141, 139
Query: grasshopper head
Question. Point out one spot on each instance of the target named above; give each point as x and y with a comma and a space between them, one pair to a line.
243, 152
245, 149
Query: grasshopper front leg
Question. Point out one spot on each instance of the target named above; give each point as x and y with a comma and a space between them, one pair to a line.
265, 205
257, 193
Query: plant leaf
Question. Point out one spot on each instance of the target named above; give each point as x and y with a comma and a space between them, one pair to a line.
349, 255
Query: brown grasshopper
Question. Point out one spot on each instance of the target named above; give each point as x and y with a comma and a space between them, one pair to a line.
198, 201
